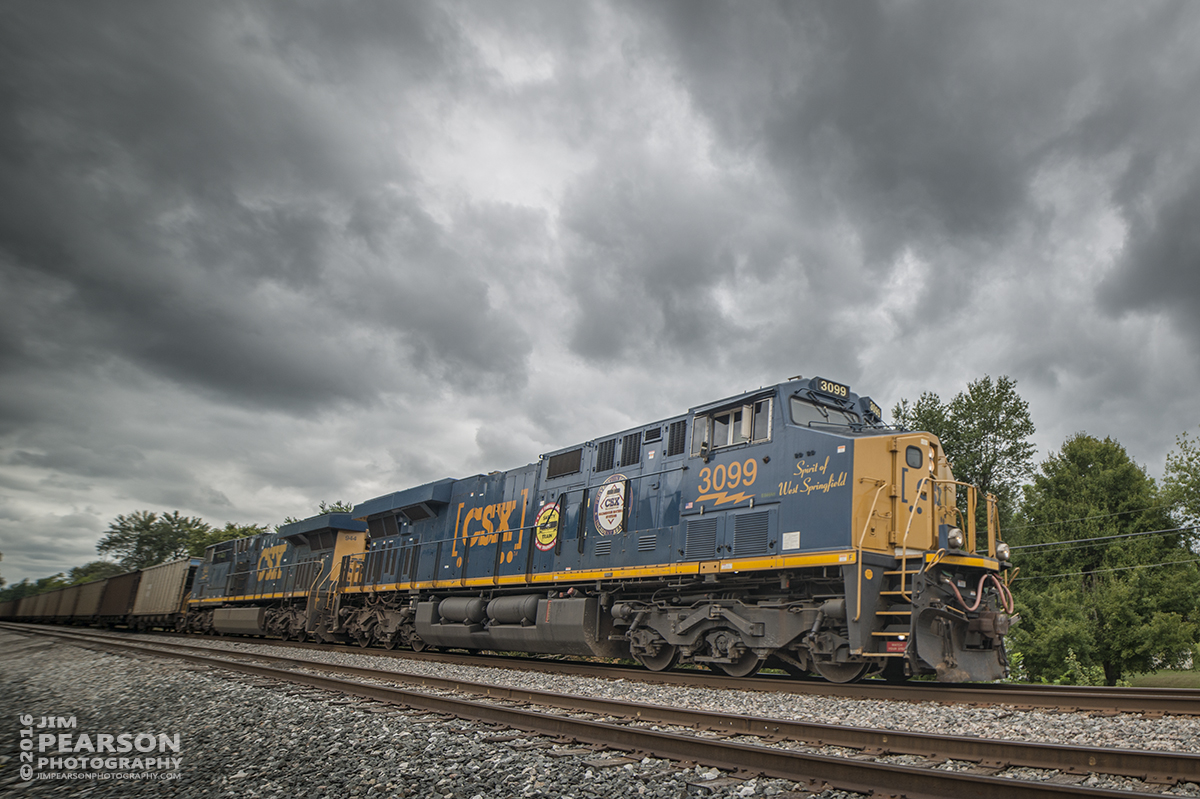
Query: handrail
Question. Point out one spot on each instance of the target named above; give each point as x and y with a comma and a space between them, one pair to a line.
912, 514
859, 546
993, 523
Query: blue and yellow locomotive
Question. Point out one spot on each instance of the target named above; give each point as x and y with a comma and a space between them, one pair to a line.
785, 526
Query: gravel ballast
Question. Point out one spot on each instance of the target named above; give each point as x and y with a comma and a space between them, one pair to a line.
1126, 730
244, 739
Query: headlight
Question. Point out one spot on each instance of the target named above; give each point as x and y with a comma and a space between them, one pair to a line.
1002, 551
954, 537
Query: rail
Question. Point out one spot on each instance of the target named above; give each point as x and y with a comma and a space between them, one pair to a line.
849, 773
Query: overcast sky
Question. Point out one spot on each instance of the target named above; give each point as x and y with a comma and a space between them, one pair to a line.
259, 255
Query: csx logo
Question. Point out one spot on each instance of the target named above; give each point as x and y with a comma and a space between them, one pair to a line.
269, 562
489, 524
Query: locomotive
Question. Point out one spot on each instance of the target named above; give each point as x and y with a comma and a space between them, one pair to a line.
786, 527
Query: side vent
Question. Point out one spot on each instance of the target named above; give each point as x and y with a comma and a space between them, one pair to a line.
647, 543
653, 434
750, 533
676, 437
701, 538
604, 547
605, 451
631, 449
564, 463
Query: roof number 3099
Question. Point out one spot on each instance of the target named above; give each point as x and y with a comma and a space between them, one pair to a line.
837, 389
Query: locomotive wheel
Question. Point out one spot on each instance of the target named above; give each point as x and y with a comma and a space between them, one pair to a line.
417, 644
841, 672
390, 642
667, 657
746, 667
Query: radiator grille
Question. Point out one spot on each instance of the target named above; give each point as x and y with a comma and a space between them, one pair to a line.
631, 449
750, 533
604, 454
701, 538
676, 437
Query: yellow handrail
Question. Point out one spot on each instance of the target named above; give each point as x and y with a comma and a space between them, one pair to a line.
859, 546
912, 514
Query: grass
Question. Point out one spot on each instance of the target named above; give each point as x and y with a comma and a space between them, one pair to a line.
1167, 679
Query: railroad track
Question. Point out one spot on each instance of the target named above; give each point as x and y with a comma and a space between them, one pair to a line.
1102, 699
510, 707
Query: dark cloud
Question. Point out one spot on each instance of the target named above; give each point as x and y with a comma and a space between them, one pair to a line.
264, 255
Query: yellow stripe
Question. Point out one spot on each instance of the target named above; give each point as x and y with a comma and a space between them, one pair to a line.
966, 560
248, 597
834, 558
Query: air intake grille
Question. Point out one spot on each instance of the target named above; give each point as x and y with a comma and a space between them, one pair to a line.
676, 438
647, 543
701, 538
653, 434
631, 449
605, 451
564, 463
750, 533
604, 547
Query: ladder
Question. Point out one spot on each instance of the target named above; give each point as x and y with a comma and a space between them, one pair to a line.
897, 618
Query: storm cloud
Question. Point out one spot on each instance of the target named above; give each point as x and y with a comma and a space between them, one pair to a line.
256, 255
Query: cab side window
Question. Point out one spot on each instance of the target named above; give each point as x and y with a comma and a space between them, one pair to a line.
750, 423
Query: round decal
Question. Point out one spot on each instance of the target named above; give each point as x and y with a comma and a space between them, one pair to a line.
610, 505
546, 528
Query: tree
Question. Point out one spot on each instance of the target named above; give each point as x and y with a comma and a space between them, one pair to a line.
1181, 481
230, 531
1106, 578
144, 539
322, 509
985, 433
17, 591
96, 570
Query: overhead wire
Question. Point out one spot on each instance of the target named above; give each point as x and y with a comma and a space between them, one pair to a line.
1113, 569
1105, 538
1098, 516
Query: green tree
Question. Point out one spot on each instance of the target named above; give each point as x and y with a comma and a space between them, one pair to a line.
144, 539
337, 507
17, 591
230, 531
1106, 581
96, 570
1181, 480
985, 432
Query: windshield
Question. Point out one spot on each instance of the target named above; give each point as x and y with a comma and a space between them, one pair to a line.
806, 413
